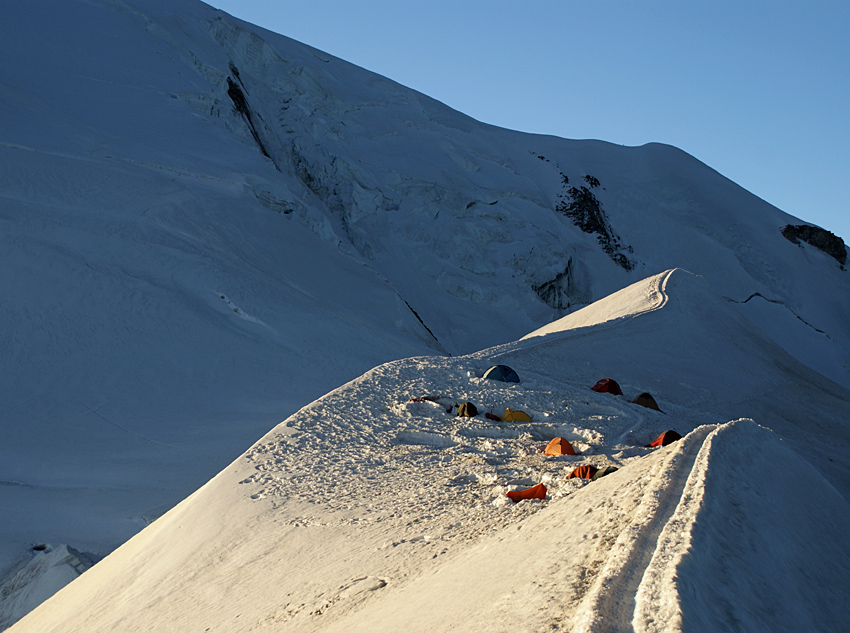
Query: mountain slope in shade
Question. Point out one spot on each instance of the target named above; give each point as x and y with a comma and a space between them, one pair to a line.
206, 226
373, 509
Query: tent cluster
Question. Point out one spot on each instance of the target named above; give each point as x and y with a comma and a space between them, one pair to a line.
560, 446
645, 399
587, 471
469, 410
557, 446
607, 385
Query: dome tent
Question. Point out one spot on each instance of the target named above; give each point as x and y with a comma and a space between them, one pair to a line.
559, 446
602, 472
502, 373
646, 400
467, 410
607, 385
514, 416
667, 437
535, 492
583, 472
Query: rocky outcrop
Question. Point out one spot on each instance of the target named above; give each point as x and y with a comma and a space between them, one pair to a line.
240, 104
581, 206
820, 238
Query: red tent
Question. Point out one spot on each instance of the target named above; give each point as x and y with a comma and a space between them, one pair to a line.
606, 385
584, 472
535, 492
667, 437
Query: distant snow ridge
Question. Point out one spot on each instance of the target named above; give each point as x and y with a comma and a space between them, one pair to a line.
47, 571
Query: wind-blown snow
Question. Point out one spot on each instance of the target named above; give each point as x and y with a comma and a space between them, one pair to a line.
206, 226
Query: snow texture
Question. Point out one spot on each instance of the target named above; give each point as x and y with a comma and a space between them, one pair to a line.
208, 228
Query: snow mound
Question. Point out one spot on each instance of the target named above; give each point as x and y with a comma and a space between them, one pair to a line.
751, 542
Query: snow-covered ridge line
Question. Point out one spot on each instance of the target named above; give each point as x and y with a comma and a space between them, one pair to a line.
613, 598
640, 298
657, 604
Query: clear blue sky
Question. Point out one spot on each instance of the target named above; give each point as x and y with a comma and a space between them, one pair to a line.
757, 89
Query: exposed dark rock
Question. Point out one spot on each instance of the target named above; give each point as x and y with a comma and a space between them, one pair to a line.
582, 207
820, 238
240, 103
592, 181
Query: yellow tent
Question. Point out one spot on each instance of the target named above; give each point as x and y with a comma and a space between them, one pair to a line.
515, 416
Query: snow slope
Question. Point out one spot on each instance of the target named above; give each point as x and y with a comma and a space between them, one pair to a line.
372, 509
207, 226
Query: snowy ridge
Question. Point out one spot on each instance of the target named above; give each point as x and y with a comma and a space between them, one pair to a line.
49, 570
611, 601
371, 505
639, 298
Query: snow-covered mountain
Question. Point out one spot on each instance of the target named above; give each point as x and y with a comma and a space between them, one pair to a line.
207, 226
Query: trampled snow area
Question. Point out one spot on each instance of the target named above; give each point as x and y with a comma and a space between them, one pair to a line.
374, 509
205, 226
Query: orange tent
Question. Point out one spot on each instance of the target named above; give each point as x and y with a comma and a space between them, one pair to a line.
606, 385
667, 437
584, 472
559, 446
535, 492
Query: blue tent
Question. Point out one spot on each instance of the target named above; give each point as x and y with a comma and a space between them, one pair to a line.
502, 373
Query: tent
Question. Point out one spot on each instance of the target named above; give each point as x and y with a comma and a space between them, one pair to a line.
599, 474
502, 373
535, 492
584, 472
667, 437
606, 385
466, 410
646, 400
559, 446
515, 416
